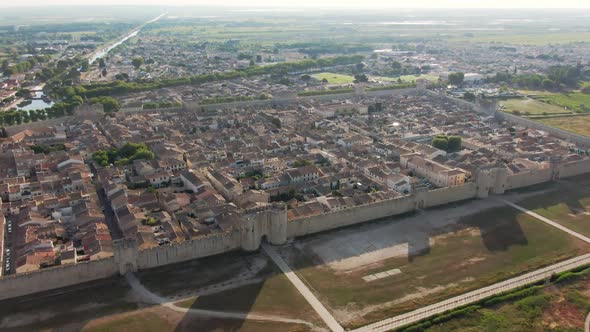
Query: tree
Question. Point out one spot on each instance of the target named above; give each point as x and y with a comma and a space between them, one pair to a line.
102, 63
441, 143
359, 67
84, 66
469, 96
456, 78
23, 92
76, 100
454, 143
137, 62
361, 78
396, 67
548, 84
62, 65
447, 143
109, 104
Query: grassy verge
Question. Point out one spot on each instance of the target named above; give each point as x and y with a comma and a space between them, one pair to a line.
516, 310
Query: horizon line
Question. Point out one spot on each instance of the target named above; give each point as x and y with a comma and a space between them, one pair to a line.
303, 7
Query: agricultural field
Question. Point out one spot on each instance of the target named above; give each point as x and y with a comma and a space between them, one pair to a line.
529, 106
567, 203
334, 78
370, 272
576, 124
526, 38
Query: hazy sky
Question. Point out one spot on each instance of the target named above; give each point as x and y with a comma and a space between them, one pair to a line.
322, 3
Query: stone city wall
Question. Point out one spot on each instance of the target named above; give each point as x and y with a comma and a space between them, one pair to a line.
526, 179
569, 136
271, 224
56, 277
350, 216
574, 168
188, 250
378, 210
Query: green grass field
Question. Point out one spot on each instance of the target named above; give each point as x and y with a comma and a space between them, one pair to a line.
528, 106
575, 101
576, 124
405, 78
495, 244
334, 78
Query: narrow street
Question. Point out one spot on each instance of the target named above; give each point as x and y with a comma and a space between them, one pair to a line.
109, 215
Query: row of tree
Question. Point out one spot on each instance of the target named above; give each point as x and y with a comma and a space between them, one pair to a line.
396, 68
119, 87
23, 66
57, 110
109, 104
555, 77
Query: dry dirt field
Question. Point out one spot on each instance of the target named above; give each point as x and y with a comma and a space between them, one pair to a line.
566, 202
374, 271
235, 282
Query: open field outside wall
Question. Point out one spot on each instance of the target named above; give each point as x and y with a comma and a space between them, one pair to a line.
431, 256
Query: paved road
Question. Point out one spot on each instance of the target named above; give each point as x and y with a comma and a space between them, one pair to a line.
547, 221
307, 294
149, 297
474, 296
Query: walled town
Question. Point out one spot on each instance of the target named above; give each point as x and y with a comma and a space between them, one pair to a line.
210, 168
162, 178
